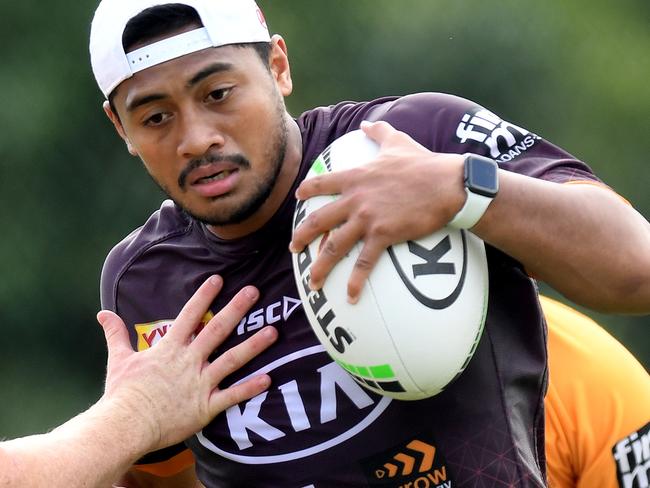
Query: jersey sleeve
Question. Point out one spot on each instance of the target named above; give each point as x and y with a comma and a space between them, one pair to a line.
119, 293
450, 124
597, 405
166, 462
174, 459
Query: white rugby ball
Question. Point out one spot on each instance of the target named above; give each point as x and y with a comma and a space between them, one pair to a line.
421, 313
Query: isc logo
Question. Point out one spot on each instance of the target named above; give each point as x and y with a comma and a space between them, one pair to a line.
280, 310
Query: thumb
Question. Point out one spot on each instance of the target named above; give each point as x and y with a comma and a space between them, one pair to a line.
377, 131
117, 337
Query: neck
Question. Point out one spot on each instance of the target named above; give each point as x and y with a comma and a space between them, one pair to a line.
286, 178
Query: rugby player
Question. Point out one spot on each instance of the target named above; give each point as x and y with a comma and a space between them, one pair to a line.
196, 90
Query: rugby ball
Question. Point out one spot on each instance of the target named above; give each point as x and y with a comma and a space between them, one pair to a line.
421, 313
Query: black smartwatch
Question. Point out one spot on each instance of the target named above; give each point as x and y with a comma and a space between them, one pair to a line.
481, 186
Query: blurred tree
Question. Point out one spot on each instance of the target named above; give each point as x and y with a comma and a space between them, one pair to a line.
573, 72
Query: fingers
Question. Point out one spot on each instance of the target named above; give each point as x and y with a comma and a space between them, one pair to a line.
194, 310
222, 324
235, 358
117, 337
363, 266
220, 400
378, 131
334, 246
322, 220
337, 245
325, 184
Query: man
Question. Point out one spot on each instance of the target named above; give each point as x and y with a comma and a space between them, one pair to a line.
196, 91
180, 395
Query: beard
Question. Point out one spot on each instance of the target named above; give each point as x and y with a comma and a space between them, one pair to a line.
228, 214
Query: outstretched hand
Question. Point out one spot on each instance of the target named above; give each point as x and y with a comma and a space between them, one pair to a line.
405, 193
172, 386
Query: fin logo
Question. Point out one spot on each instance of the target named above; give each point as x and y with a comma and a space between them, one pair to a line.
632, 456
415, 465
503, 140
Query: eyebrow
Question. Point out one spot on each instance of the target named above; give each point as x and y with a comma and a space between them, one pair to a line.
209, 70
139, 101
197, 78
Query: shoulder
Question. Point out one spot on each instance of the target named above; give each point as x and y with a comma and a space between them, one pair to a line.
583, 354
346, 116
430, 118
575, 338
164, 224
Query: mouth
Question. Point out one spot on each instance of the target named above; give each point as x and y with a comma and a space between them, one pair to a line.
220, 175
210, 173
216, 180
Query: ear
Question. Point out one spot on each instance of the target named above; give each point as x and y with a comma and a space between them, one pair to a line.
113, 117
279, 65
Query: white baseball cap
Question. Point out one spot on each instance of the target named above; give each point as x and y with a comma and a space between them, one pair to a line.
224, 22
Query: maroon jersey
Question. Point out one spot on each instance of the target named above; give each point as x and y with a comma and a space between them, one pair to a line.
315, 426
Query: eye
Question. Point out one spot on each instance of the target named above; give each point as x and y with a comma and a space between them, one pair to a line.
218, 95
156, 119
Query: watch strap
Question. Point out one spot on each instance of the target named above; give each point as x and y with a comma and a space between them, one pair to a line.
472, 211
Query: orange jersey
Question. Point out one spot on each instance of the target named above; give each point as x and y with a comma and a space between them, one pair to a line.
597, 406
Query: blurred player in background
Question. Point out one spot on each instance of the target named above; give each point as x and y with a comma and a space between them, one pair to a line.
597, 406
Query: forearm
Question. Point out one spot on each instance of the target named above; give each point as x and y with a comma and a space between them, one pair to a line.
91, 450
583, 240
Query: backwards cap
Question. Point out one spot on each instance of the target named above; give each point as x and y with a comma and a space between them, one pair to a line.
224, 22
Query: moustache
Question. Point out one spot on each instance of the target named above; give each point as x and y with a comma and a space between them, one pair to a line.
236, 159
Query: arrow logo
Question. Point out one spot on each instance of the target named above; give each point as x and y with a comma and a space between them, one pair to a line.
407, 460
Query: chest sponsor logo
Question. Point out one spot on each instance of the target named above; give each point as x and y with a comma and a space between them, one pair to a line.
504, 141
297, 417
277, 311
150, 333
632, 456
416, 464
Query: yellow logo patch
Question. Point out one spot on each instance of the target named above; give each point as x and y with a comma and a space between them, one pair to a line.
150, 333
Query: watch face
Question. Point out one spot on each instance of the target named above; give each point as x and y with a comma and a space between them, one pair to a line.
481, 176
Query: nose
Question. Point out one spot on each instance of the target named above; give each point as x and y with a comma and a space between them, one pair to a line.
199, 133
